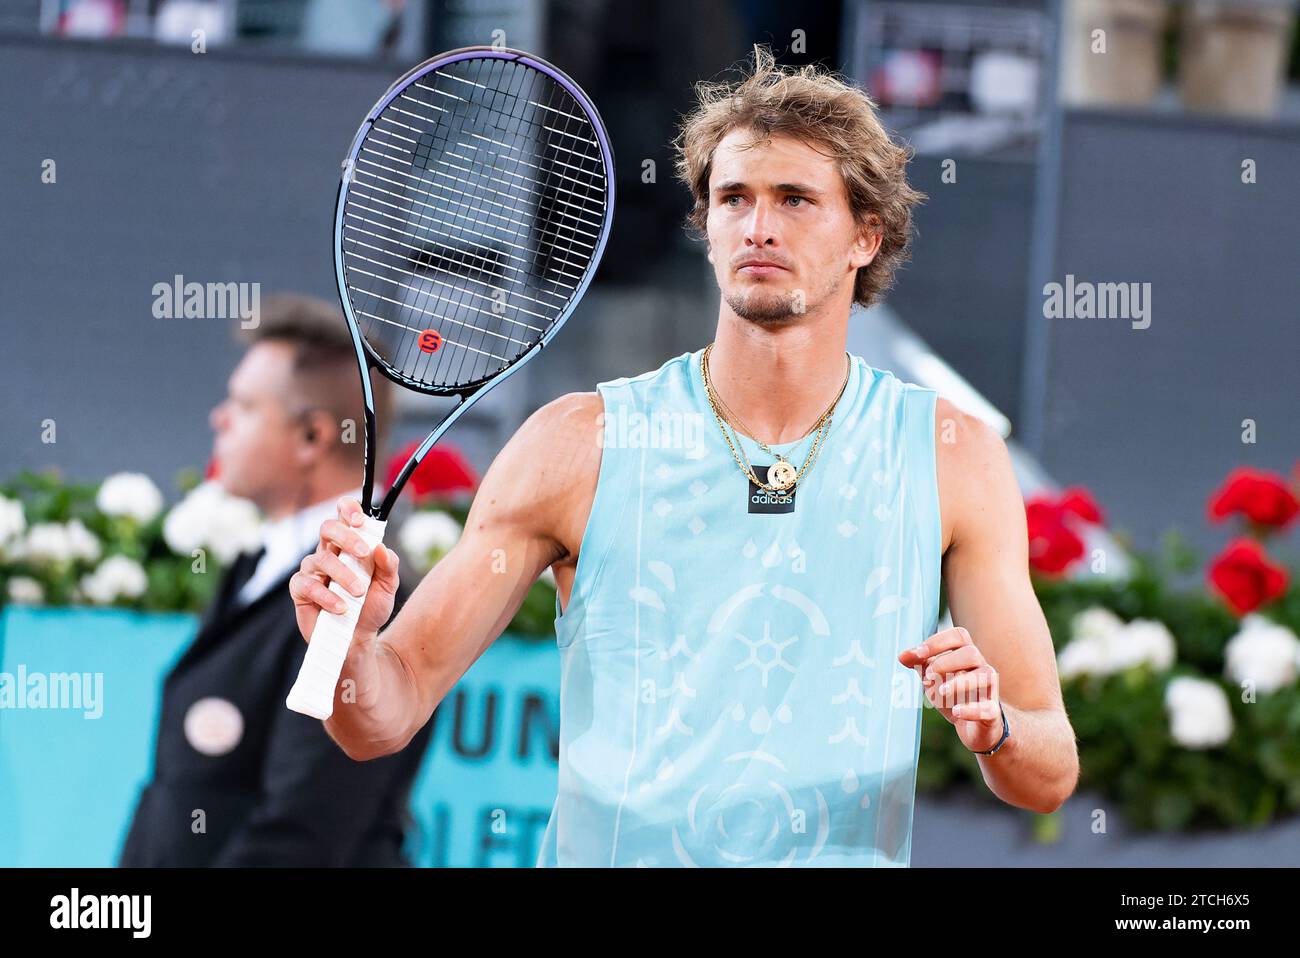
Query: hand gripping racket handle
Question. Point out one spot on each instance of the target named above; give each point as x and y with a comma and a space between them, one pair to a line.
313, 692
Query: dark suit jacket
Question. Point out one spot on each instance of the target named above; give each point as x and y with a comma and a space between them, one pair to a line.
285, 794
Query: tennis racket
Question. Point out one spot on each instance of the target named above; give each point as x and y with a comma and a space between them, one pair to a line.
474, 207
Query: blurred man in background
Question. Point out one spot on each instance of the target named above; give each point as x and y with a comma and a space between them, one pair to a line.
239, 779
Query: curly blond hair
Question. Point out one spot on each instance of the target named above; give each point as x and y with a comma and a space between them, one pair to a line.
837, 118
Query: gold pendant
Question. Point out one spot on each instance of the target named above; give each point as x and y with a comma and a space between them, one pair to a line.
781, 474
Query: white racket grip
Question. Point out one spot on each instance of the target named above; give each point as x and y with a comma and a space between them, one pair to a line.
313, 691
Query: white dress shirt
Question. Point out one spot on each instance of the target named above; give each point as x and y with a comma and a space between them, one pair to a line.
286, 542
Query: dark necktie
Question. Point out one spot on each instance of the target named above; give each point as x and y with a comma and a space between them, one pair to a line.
241, 571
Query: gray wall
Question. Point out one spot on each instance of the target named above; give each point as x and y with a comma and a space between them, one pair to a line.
219, 167
963, 291
1151, 418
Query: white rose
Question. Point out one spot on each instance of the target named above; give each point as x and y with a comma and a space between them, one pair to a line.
131, 494
238, 527
58, 542
1199, 716
82, 543
44, 542
12, 521
208, 518
1080, 657
1148, 641
115, 577
1096, 622
1104, 644
25, 590
424, 532
184, 528
1263, 652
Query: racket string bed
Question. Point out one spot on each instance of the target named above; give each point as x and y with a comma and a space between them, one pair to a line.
473, 267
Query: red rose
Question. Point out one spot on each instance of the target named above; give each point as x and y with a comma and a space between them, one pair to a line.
1053, 545
1262, 497
1079, 501
442, 473
1245, 578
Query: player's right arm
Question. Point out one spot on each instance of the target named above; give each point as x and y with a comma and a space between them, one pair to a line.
514, 530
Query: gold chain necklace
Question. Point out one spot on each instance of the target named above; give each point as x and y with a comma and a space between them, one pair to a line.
780, 466
782, 472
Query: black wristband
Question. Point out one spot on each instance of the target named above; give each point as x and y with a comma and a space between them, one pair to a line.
1006, 733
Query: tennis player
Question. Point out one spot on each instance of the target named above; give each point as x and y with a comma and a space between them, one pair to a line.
748, 543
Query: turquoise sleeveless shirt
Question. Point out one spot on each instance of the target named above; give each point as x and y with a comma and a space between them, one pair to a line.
730, 689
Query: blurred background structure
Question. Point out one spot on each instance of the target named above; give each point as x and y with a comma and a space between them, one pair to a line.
1040, 158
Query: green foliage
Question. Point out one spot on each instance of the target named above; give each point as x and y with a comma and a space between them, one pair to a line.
175, 583
174, 586
536, 616
1126, 752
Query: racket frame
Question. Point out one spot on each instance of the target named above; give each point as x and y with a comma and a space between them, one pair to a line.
367, 359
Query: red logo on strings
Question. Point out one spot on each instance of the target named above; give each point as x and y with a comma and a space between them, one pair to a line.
430, 341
